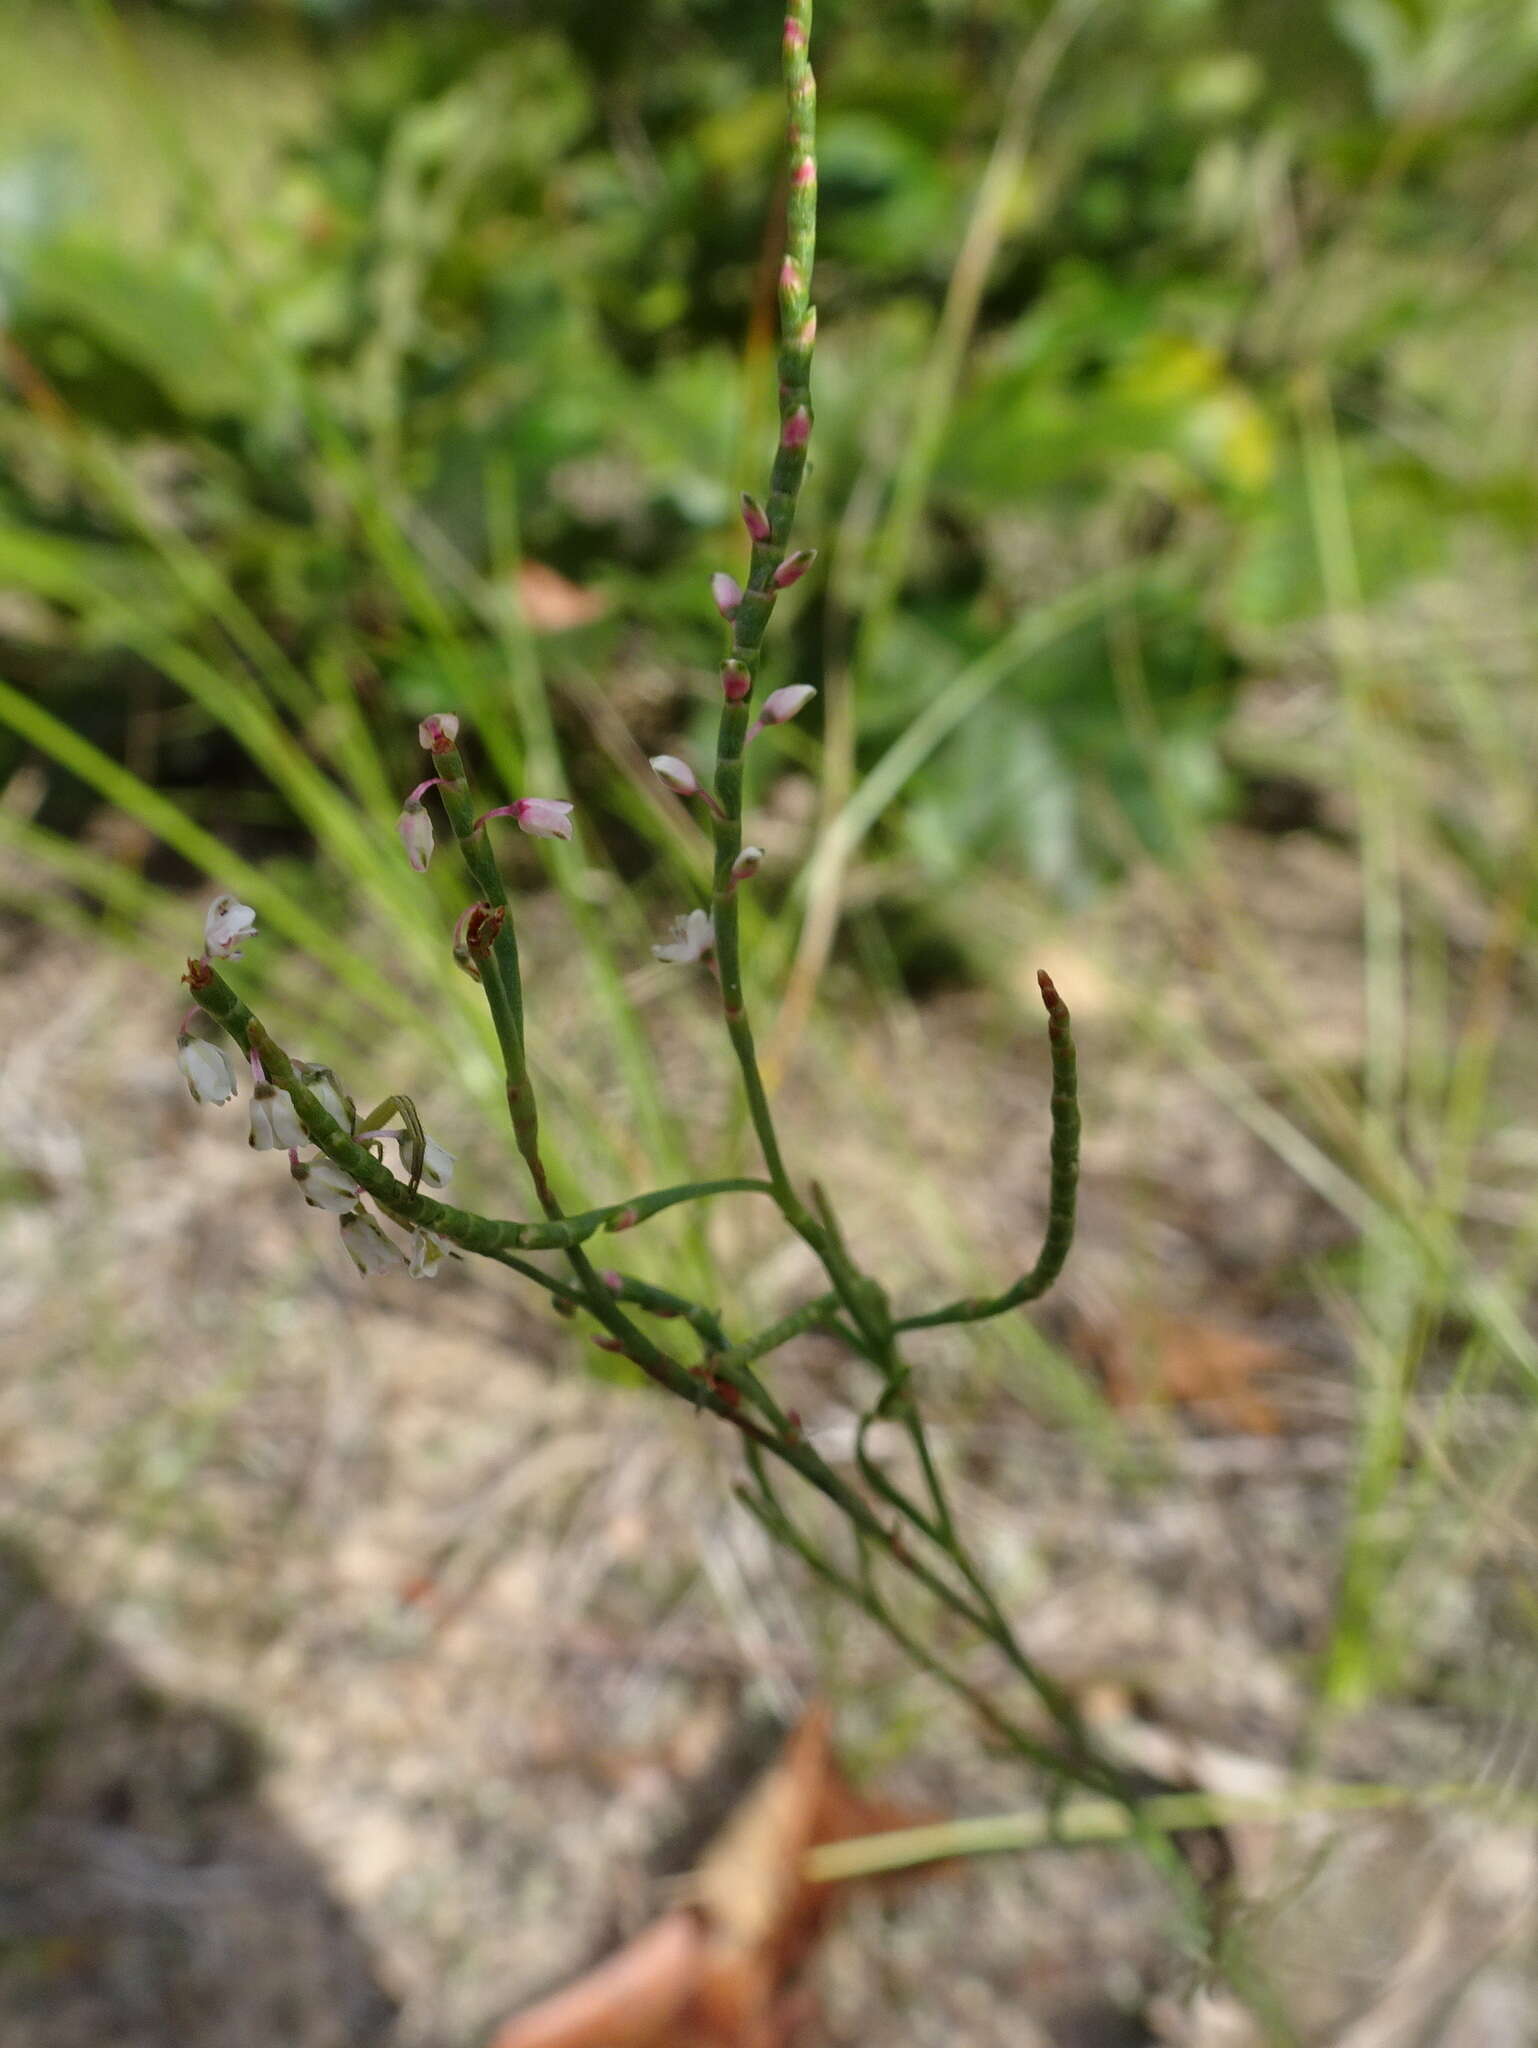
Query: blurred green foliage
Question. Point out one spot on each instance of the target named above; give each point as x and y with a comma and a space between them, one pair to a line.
508, 292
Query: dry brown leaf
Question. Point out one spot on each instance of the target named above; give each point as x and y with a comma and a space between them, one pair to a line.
630, 2000
552, 603
722, 1970
1156, 1356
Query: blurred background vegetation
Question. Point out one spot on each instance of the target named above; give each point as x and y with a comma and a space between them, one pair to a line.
1175, 492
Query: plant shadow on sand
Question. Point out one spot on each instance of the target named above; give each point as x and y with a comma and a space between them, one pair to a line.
147, 1894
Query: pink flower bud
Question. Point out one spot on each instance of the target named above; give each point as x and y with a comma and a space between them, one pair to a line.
781, 705
226, 928
794, 567
808, 332
805, 172
439, 732
416, 831
797, 430
727, 592
747, 863
754, 518
736, 680
678, 775
795, 34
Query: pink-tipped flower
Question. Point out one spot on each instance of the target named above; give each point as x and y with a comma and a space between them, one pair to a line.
790, 277
727, 592
754, 518
677, 774
794, 567
693, 937
205, 1068
416, 831
736, 680
439, 732
368, 1247
226, 928
797, 430
805, 173
781, 705
542, 817
747, 864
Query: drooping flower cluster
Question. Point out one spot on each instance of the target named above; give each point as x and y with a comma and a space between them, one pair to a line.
275, 1126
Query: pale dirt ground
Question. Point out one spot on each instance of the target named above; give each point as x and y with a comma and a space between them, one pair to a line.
357, 1649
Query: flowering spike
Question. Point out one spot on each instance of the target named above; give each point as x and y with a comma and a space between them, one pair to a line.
416, 831
439, 733
727, 592
754, 518
226, 928
794, 567
693, 937
205, 1068
736, 680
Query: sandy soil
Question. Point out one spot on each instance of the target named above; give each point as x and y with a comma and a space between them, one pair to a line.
359, 1650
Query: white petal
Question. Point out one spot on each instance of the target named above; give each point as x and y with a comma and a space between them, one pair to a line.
226, 928
206, 1070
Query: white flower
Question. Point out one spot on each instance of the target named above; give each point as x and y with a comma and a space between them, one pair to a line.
368, 1247
205, 1068
728, 594
275, 1125
693, 937
439, 732
226, 928
328, 1092
416, 831
747, 863
325, 1186
437, 1160
428, 1252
